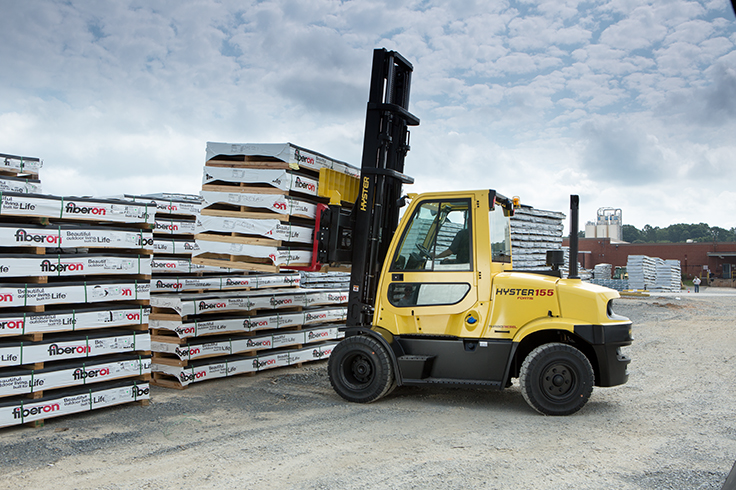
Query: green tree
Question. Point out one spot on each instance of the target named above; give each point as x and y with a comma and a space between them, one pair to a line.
630, 234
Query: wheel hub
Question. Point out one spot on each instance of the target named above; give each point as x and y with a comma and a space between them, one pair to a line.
558, 380
362, 369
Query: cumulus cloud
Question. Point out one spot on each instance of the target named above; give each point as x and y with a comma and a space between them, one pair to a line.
546, 97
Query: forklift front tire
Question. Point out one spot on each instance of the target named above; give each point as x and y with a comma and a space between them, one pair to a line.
360, 369
556, 379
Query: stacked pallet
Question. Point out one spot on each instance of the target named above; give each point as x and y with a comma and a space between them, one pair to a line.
259, 209
669, 276
602, 271
75, 288
583, 274
20, 174
642, 271
617, 284
260, 205
533, 232
325, 280
270, 324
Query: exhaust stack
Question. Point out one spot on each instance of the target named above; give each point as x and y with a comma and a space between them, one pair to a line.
574, 206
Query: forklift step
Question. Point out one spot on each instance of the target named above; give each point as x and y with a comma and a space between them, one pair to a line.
415, 367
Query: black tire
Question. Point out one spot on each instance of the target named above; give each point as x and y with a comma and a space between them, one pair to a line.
360, 369
556, 379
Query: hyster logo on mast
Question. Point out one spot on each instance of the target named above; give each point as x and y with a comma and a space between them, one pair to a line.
364, 194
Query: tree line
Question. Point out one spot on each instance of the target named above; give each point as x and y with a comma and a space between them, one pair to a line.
679, 233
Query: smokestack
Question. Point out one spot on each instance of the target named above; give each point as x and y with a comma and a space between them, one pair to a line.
574, 206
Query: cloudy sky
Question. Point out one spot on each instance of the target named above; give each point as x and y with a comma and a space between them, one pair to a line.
629, 103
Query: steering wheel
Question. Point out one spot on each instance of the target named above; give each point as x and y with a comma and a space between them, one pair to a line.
423, 251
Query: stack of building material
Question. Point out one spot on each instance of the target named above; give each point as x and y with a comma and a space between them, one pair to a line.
617, 284
260, 205
602, 277
583, 274
642, 271
20, 174
75, 288
669, 276
210, 335
533, 232
602, 271
326, 280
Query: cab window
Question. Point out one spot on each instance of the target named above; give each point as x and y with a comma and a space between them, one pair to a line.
438, 237
499, 222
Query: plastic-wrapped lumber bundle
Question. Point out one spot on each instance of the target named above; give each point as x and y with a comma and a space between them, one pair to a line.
642, 271
584, 274
329, 280
75, 290
19, 166
533, 232
602, 271
617, 284
669, 276
260, 204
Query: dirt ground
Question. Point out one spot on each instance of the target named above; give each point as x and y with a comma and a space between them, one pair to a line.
671, 427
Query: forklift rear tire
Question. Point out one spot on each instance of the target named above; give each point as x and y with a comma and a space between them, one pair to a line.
556, 379
360, 369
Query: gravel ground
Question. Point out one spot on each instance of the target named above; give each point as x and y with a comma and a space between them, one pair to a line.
671, 427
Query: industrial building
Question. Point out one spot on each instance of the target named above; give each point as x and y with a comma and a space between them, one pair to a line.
712, 259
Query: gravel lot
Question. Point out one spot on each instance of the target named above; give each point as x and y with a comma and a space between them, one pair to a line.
671, 427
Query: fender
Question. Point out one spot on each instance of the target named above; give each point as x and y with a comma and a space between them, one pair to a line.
386, 339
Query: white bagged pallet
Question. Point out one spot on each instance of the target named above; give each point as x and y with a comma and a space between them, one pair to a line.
283, 180
174, 204
183, 266
73, 236
223, 283
20, 185
267, 228
164, 246
169, 226
71, 401
193, 304
70, 265
203, 370
295, 156
279, 256
20, 164
271, 321
23, 323
74, 373
278, 203
212, 347
75, 208
66, 293
20, 353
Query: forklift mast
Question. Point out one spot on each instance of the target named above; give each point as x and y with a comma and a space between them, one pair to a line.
375, 215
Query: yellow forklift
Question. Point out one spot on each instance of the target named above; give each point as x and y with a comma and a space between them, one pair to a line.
434, 298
